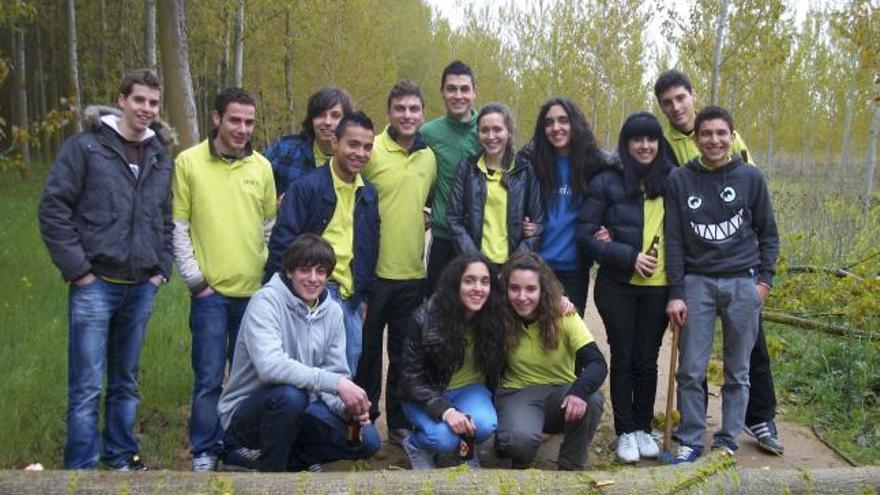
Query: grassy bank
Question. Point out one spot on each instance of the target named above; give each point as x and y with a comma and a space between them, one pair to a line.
33, 348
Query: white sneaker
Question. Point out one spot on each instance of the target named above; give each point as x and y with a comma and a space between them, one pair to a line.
204, 462
647, 446
627, 448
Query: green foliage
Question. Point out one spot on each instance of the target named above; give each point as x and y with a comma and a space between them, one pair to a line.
834, 384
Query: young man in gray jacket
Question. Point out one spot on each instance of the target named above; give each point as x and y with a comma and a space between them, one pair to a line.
105, 216
290, 403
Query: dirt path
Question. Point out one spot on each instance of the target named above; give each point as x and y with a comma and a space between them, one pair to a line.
803, 449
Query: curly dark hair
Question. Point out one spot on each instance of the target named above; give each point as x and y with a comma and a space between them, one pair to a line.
492, 324
548, 309
586, 158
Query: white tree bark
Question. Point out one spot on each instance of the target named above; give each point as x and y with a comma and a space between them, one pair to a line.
150, 33
175, 66
75, 90
872, 149
846, 152
238, 50
719, 44
21, 96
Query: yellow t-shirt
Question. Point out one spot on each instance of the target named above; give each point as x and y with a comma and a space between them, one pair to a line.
685, 146
403, 181
226, 203
653, 225
529, 364
468, 373
340, 231
494, 241
320, 157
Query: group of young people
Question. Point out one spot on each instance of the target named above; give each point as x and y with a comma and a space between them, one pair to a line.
298, 259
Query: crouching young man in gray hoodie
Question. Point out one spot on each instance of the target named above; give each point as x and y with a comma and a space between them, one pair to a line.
290, 404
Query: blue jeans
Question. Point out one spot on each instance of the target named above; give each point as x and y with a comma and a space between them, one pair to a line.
107, 326
354, 324
214, 322
474, 400
292, 432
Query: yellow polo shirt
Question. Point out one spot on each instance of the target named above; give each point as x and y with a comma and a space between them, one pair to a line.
653, 225
403, 181
226, 203
320, 157
340, 231
468, 373
529, 364
494, 241
685, 146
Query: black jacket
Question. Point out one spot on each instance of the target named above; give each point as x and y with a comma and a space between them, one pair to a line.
468, 199
609, 204
425, 370
96, 217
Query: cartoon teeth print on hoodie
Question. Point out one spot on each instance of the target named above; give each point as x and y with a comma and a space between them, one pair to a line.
719, 222
724, 230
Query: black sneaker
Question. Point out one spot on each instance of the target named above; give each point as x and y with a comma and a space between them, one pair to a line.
241, 459
767, 437
727, 448
133, 463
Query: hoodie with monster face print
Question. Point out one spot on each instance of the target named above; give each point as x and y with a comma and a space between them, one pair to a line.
719, 223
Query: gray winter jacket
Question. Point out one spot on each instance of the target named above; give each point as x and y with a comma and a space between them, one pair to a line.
282, 341
96, 216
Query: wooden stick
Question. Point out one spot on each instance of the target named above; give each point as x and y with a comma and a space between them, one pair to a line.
670, 389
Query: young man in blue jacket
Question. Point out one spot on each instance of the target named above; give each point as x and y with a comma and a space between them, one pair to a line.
294, 155
337, 203
105, 216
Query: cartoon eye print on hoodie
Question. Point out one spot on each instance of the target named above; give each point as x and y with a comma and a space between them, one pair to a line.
728, 194
694, 202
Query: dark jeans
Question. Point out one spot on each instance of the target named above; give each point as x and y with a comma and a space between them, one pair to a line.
635, 320
391, 302
292, 432
214, 322
107, 326
442, 252
576, 284
523, 414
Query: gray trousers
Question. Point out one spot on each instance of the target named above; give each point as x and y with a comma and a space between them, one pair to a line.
523, 414
736, 301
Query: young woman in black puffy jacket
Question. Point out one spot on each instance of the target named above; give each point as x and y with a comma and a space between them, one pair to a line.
630, 291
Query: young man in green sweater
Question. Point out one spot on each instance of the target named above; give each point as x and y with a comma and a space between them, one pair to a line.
453, 138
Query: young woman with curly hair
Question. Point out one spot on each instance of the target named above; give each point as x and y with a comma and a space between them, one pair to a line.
553, 374
454, 354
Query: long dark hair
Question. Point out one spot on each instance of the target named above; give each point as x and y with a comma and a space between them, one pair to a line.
585, 157
551, 293
637, 177
492, 324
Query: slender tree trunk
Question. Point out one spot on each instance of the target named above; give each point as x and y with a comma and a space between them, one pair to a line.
238, 50
21, 98
846, 151
42, 108
719, 43
178, 78
872, 153
75, 90
102, 43
288, 71
224, 81
150, 33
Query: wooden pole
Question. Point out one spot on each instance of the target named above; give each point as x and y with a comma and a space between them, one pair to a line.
670, 388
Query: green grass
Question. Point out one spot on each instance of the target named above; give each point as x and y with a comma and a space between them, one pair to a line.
832, 383
33, 348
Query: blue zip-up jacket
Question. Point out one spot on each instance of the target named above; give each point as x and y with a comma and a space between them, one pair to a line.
292, 157
308, 206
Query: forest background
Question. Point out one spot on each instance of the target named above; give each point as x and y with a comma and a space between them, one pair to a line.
804, 90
